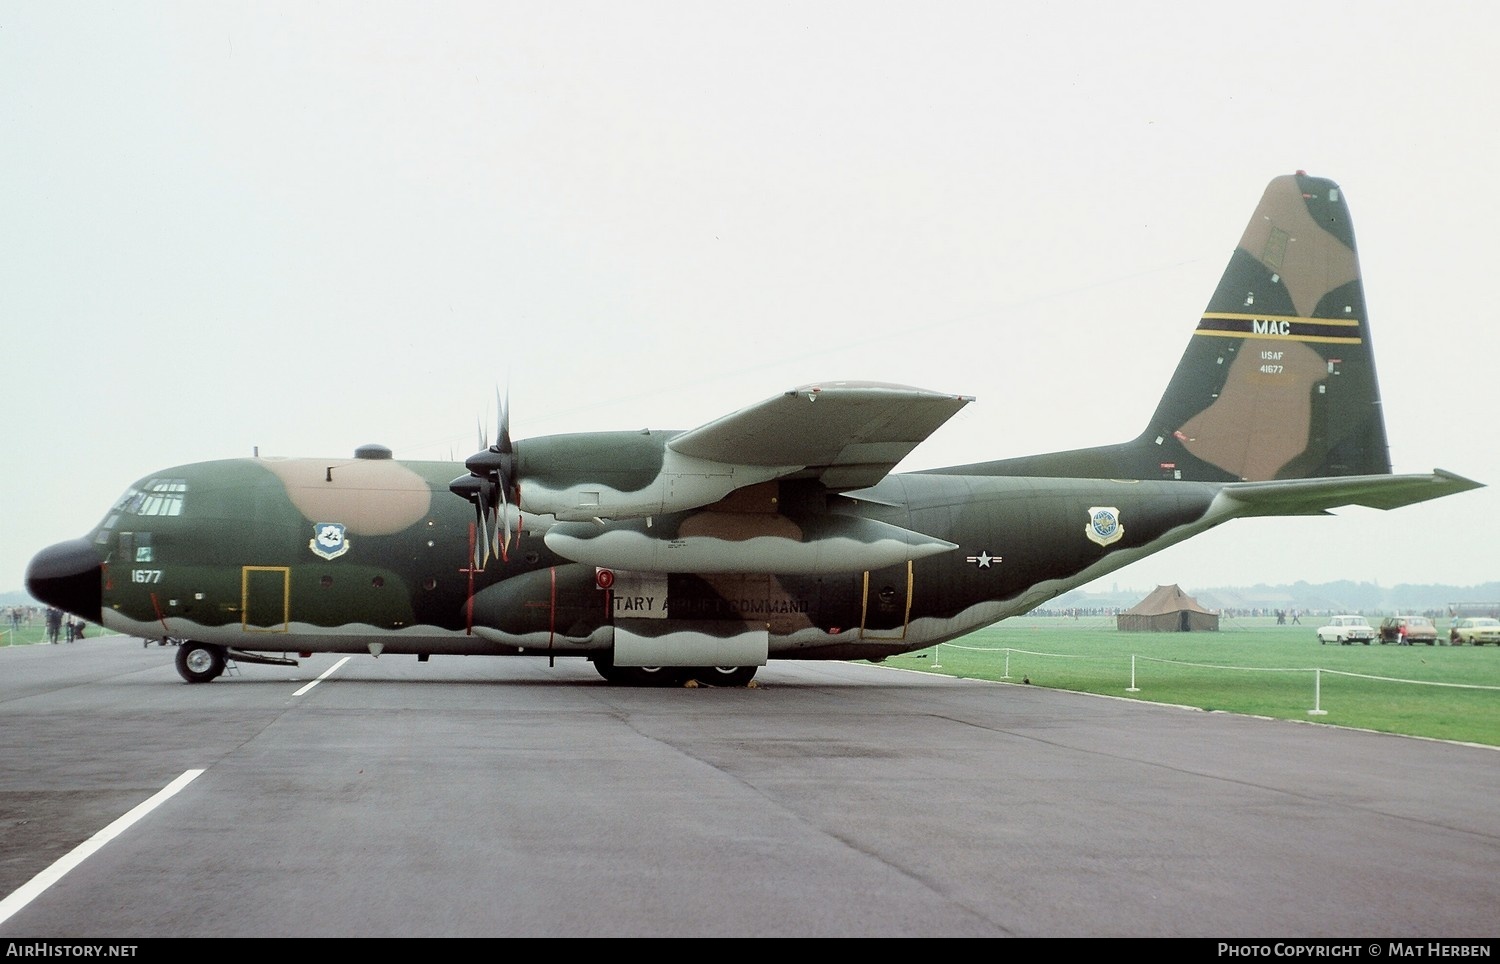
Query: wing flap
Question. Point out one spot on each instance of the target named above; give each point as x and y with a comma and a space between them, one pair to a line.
848, 434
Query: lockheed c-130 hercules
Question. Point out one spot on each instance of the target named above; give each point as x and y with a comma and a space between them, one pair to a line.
776, 532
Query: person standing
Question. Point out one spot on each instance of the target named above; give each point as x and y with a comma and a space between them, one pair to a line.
54, 624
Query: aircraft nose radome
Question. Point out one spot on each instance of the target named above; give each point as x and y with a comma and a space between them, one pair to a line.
67, 576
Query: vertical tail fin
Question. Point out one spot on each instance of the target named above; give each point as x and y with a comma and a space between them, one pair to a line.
1278, 380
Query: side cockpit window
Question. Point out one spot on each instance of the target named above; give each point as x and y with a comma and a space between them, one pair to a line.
156, 497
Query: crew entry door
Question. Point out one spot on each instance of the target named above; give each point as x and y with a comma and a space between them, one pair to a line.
265, 599
887, 602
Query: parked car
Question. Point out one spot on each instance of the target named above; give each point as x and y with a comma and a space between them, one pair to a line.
1408, 630
1475, 630
1345, 630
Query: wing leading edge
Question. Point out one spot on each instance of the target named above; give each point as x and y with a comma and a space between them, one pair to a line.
848, 435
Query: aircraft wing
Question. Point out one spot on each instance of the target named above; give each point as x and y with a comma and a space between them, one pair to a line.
847, 434
1318, 496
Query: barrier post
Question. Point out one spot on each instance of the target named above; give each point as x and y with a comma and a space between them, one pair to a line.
1132, 688
1317, 709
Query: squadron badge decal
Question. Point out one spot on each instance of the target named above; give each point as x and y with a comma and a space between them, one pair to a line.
1104, 525
328, 540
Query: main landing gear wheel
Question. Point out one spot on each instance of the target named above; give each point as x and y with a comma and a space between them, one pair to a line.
639, 675
200, 662
673, 675
725, 675
652, 675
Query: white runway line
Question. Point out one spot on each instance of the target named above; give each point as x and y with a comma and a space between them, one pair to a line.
33, 888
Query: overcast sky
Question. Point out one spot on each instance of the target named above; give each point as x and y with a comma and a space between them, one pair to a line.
303, 227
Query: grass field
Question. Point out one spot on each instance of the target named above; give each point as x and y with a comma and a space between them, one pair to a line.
1250, 666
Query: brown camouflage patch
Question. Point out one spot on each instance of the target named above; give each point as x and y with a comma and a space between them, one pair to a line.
371, 497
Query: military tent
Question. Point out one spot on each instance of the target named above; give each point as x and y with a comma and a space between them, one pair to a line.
1167, 610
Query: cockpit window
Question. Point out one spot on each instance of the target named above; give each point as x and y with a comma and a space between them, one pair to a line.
156, 497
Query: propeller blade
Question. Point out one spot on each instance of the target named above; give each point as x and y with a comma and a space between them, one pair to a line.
478, 564
486, 510
477, 489
490, 485
502, 436
506, 478
505, 481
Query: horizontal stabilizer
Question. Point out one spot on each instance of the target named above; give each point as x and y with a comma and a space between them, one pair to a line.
1318, 496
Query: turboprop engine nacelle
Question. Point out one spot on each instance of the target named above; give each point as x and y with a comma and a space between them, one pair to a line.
749, 542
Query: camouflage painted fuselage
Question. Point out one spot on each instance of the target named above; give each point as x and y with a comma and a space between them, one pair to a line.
229, 552
777, 531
